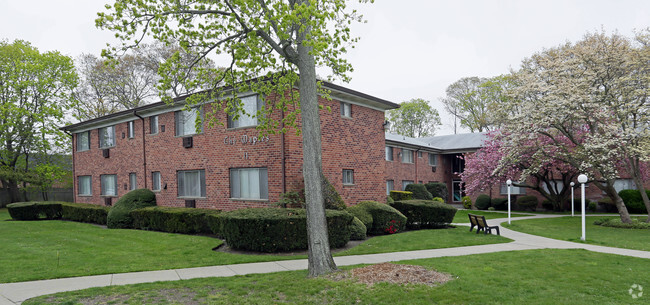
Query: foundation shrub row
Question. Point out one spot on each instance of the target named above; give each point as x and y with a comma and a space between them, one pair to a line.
425, 214
34, 210
385, 219
119, 216
174, 220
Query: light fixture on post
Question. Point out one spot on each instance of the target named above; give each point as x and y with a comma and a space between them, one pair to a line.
509, 183
582, 179
386, 125
572, 209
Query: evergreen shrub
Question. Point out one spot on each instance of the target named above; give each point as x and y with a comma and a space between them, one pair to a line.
633, 201
482, 202
85, 212
357, 230
419, 191
172, 219
437, 190
467, 202
361, 213
385, 219
119, 217
401, 195
500, 204
527, 202
425, 214
34, 210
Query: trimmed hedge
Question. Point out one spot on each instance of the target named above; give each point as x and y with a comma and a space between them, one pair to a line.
633, 201
331, 197
357, 230
273, 229
527, 202
425, 214
482, 202
500, 204
437, 189
617, 223
361, 213
34, 210
419, 191
85, 212
119, 217
172, 219
385, 219
401, 195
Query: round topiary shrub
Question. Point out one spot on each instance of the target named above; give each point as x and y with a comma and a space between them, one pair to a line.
274, 230
467, 202
419, 191
361, 213
357, 230
482, 202
437, 190
500, 204
385, 219
119, 217
527, 202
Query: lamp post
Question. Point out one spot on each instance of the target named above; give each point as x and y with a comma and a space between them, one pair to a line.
582, 179
509, 183
572, 185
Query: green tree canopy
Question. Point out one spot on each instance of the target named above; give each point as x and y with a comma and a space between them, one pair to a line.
414, 118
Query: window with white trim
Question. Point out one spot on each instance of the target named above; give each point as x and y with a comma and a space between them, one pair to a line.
346, 110
83, 141
185, 122
191, 183
389, 153
250, 109
133, 181
457, 190
249, 183
106, 137
130, 129
407, 155
108, 185
390, 185
348, 176
153, 124
85, 186
155, 181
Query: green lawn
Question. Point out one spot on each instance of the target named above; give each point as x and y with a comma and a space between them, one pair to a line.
518, 277
34, 250
569, 228
461, 215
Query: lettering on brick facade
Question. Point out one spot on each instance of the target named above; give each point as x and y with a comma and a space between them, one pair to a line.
245, 139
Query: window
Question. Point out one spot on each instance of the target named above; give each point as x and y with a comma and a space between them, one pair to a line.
155, 181
419, 154
622, 184
108, 185
153, 124
249, 183
85, 186
433, 159
186, 122
458, 190
346, 110
107, 137
514, 190
407, 156
133, 181
129, 129
389, 153
83, 141
405, 183
348, 176
250, 106
390, 185
191, 183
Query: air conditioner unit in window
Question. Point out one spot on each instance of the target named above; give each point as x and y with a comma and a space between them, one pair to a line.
187, 142
190, 203
108, 201
106, 153
433, 169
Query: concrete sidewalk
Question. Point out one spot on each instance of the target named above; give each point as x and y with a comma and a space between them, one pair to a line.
16, 293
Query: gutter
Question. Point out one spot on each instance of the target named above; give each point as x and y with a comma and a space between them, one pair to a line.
144, 152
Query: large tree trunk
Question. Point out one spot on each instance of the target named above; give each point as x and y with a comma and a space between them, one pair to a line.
320, 257
611, 192
635, 171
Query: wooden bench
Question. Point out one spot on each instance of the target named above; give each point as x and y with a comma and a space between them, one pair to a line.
480, 223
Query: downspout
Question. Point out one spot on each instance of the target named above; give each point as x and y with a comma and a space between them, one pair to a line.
283, 156
417, 153
144, 153
74, 193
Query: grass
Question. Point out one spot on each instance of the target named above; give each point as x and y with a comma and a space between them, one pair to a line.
569, 228
34, 250
549, 277
461, 215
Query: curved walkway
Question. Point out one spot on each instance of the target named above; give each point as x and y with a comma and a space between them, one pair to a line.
16, 293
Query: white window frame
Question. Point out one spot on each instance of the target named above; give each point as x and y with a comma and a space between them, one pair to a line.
433, 157
405, 153
406, 182
133, 181
457, 185
185, 122
346, 110
106, 131
390, 185
80, 180
105, 191
130, 130
191, 190
389, 153
81, 140
155, 181
153, 124
348, 176
238, 191
248, 117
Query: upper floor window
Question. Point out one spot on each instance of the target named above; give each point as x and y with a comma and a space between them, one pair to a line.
130, 129
346, 110
348, 176
433, 159
248, 115
83, 141
249, 183
186, 122
153, 124
407, 156
458, 163
107, 137
389, 153
133, 181
191, 183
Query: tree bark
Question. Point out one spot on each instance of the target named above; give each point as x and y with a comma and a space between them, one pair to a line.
320, 259
611, 192
635, 171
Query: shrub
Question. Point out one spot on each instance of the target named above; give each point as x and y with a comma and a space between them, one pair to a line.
85, 212
119, 217
438, 199
482, 202
293, 199
491, 209
401, 195
389, 200
437, 190
333, 200
633, 201
419, 191
273, 230
500, 204
425, 214
361, 213
467, 202
592, 206
357, 230
608, 205
215, 224
548, 205
617, 223
385, 219
527, 202
172, 220
34, 210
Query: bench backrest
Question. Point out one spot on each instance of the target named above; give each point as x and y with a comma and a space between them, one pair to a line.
472, 219
481, 221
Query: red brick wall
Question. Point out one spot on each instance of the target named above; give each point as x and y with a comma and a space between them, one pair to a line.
347, 143
419, 171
